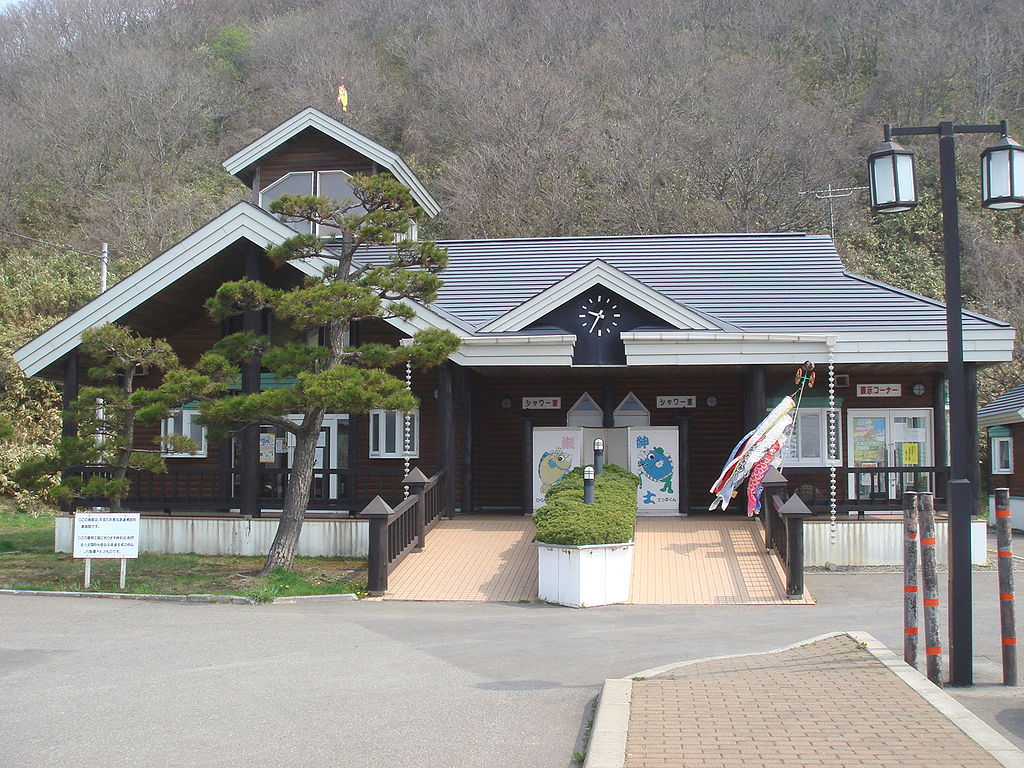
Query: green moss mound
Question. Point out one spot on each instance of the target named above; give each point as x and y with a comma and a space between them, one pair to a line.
565, 519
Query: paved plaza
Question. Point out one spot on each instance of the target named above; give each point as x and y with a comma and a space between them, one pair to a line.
318, 684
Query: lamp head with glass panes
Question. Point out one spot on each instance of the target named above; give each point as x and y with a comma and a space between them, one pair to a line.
891, 179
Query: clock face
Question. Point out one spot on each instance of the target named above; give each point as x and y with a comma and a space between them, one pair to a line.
599, 315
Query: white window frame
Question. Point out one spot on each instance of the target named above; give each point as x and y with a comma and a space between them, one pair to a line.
312, 187
822, 459
994, 450
378, 432
188, 416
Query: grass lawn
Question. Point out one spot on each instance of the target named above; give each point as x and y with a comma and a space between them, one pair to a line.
27, 561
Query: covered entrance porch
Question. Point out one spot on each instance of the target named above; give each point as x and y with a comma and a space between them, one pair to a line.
706, 560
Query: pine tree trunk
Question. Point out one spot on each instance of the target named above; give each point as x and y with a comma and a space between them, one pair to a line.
296, 497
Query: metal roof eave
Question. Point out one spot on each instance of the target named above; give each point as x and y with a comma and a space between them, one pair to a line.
314, 118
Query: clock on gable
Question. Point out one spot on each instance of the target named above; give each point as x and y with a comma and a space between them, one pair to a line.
597, 317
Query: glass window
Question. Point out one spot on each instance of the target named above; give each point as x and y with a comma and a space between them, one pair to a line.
183, 423
1002, 455
808, 444
387, 434
300, 183
334, 184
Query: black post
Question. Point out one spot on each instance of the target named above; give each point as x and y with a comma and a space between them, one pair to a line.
608, 397
598, 456
588, 485
794, 512
683, 462
1007, 619
527, 464
940, 429
249, 455
377, 512
961, 616
417, 483
772, 485
446, 436
68, 394
466, 502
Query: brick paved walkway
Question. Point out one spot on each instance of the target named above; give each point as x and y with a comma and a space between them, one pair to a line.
701, 560
830, 703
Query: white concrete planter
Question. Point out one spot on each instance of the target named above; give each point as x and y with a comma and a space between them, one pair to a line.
598, 574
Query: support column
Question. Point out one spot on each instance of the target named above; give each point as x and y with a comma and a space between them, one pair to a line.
252, 322
69, 393
754, 402
526, 475
466, 502
973, 457
608, 403
446, 434
683, 463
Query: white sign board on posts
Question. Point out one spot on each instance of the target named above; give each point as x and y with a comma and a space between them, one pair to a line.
106, 535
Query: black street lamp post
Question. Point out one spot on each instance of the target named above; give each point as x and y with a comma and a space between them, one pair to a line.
893, 189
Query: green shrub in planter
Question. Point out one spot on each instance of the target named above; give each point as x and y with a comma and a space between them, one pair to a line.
565, 519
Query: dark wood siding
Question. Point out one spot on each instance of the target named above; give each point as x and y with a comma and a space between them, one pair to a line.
311, 150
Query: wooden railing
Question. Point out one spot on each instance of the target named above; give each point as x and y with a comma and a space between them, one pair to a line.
212, 488
874, 488
394, 533
783, 518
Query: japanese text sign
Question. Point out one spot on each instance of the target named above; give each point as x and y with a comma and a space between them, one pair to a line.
106, 535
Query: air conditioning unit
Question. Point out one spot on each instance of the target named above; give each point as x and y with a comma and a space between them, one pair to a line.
842, 380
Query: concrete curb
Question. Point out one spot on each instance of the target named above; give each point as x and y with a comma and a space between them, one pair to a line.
607, 748
196, 598
304, 598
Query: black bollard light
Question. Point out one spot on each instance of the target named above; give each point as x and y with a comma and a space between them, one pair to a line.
588, 485
598, 456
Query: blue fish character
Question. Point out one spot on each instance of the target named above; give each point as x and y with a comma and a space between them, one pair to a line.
657, 466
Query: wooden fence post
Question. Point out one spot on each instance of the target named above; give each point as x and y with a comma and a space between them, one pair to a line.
378, 557
772, 484
417, 482
910, 586
1007, 620
794, 512
932, 643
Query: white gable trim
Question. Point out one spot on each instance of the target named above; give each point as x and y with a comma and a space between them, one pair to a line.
1002, 418
981, 345
600, 272
314, 118
242, 220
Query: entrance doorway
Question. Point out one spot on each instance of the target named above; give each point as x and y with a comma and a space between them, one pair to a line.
889, 437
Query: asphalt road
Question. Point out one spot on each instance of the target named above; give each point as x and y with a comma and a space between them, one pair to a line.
116, 683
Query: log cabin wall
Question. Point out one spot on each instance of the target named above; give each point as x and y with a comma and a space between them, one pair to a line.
311, 150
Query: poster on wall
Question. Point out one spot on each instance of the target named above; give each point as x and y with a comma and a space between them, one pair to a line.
652, 453
556, 452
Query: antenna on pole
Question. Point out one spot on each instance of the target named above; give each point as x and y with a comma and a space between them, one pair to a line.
830, 194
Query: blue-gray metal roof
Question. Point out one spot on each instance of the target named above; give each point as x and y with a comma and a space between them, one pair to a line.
1009, 402
755, 282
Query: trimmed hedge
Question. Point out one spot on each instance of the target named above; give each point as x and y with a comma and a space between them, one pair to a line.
565, 519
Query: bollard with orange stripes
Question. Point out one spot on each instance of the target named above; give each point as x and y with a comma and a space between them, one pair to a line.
930, 577
1004, 547
910, 589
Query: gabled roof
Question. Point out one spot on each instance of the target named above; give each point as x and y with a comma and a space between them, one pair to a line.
314, 118
242, 220
599, 272
761, 283
1008, 408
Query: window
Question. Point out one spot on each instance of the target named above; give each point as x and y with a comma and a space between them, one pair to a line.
387, 434
808, 444
1002, 456
183, 423
300, 183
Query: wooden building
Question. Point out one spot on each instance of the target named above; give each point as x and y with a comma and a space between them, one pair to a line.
1003, 421
677, 343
